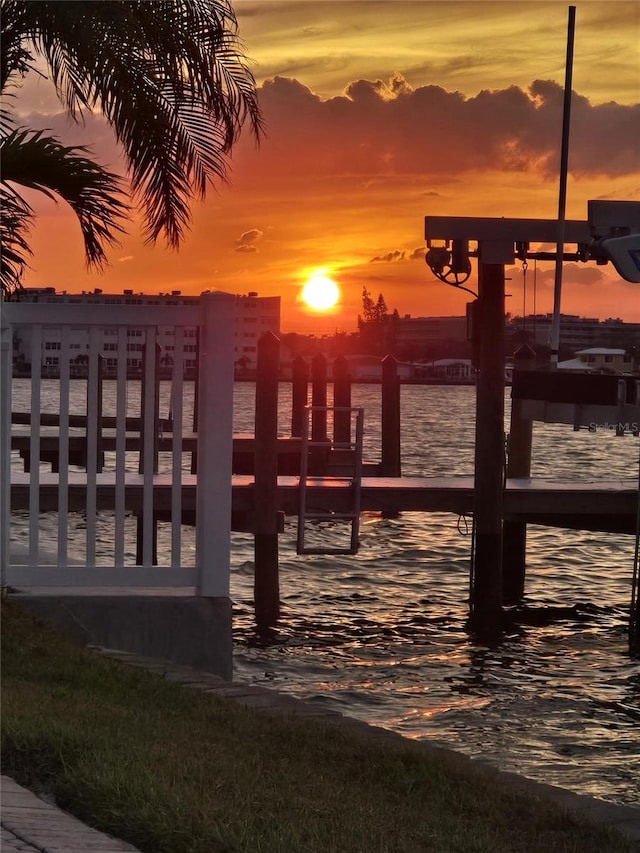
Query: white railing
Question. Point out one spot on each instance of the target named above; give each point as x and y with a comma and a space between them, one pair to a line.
106, 494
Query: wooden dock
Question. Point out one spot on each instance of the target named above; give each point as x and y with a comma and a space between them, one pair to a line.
607, 506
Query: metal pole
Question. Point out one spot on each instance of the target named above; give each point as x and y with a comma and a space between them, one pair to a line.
562, 192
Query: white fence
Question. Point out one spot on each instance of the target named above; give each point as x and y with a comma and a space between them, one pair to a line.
107, 495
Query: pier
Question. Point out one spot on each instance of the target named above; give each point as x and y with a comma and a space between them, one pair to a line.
251, 483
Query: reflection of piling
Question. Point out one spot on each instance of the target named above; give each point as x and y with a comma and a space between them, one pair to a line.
266, 580
319, 397
514, 535
318, 457
486, 586
391, 464
634, 616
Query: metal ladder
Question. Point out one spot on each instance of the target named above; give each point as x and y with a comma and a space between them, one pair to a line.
350, 454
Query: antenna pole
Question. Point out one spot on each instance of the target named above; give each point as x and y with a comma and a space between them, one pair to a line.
562, 193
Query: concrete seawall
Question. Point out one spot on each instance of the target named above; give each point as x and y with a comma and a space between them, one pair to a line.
172, 624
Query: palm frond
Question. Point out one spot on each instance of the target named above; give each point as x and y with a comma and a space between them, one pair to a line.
14, 227
34, 160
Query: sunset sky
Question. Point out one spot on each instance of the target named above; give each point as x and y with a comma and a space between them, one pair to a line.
378, 114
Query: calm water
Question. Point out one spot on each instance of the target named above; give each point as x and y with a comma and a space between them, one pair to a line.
381, 636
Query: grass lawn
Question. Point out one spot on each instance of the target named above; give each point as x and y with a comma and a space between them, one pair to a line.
174, 770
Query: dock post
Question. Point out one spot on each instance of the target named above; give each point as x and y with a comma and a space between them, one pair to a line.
391, 460
486, 582
514, 534
341, 399
319, 397
266, 576
299, 389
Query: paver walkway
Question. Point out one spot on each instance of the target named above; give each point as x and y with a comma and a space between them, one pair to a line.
30, 824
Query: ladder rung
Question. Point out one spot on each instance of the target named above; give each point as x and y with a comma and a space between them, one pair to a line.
319, 481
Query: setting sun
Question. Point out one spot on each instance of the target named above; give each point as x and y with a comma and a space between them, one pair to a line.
320, 293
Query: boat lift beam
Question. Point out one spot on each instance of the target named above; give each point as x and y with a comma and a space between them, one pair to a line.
503, 239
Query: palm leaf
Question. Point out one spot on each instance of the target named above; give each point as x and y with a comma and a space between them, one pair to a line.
39, 162
14, 226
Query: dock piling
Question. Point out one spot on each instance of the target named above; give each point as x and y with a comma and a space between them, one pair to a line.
299, 391
486, 585
514, 542
391, 458
341, 400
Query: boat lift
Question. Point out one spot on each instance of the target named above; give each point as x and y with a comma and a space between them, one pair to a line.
611, 233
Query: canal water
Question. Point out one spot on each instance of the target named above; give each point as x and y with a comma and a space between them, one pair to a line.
381, 636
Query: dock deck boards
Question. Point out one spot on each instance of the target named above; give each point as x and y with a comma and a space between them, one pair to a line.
591, 505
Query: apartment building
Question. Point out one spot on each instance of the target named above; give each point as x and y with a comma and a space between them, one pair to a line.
578, 333
255, 315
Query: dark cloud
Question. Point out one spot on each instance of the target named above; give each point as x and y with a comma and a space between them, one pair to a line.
246, 250
378, 128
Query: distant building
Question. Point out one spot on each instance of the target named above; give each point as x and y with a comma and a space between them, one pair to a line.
451, 369
577, 333
416, 336
600, 359
254, 316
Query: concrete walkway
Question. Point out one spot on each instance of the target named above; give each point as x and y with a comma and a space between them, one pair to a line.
30, 824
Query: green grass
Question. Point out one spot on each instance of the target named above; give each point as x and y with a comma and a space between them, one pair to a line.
173, 770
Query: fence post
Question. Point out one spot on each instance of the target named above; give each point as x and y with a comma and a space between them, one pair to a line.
341, 399
391, 458
266, 575
215, 444
196, 403
299, 390
100, 451
6, 355
514, 533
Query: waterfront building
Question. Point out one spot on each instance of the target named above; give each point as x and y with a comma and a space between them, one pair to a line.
577, 333
600, 360
255, 315
417, 337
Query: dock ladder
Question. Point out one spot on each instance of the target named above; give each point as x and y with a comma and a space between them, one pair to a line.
338, 463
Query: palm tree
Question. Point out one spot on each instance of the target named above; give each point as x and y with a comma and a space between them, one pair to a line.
170, 78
